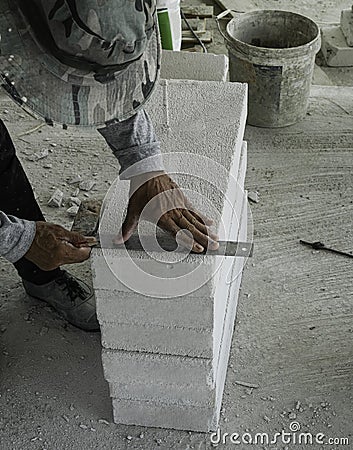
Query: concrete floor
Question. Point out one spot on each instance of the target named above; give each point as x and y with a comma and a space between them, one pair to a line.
294, 334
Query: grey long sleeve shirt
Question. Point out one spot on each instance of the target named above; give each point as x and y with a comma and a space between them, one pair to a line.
132, 141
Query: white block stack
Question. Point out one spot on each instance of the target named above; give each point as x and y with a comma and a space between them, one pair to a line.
165, 359
193, 66
337, 41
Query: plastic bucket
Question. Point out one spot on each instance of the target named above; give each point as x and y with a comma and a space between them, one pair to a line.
274, 52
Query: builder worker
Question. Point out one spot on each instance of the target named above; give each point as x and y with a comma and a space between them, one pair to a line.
88, 63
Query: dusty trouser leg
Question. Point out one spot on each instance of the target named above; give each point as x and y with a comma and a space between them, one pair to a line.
17, 199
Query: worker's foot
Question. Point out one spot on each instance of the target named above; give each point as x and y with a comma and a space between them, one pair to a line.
70, 297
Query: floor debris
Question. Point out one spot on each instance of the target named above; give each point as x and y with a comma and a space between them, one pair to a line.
86, 185
38, 155
254, 197
73, 210
248, 385
56, 199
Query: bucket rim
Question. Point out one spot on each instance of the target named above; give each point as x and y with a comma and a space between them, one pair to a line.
275, 50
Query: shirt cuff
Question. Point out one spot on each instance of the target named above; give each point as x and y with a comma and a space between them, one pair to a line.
18, 236
133, 142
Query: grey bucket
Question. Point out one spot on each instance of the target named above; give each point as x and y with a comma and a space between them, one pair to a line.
274, 52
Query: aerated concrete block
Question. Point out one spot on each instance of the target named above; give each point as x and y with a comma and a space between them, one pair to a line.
213, 135
187, 407
186, 337
132, 308
189, 393
164, 415
148, 369
155, 339
138, 367
200, 384
195, 406
193, 66
347, 25
335, 48
173, 339
207, 120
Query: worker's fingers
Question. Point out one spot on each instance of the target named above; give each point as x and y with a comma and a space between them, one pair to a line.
199, 224
199, 237
90, 241
197, 214
74, 238
127, 228
84, 241
168, 224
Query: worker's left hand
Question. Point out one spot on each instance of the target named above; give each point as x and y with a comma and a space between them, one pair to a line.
170, 210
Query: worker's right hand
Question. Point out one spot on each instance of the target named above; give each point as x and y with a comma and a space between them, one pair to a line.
54, 246
171, 210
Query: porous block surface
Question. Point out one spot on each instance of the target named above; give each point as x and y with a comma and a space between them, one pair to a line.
163, 415
138, 366
212, 134
158, 377
179, 326
193, 66
204, 118
167, 318
185, 391
179, 405
156, 339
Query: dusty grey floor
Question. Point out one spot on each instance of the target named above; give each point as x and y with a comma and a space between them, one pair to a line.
294, 333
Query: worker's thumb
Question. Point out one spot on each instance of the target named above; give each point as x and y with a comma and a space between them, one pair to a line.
127, 228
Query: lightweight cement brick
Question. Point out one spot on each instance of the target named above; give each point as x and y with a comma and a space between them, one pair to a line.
138, 367
205, 118
193, 66
104, 278
335, 48
173, 340
175, 406
201, 138
347, 25
217, 141
184, 393
189, 392
163, 415
133, 308
155, 339
156, 278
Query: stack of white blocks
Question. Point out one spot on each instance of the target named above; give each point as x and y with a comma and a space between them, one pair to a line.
337, 41
165, 359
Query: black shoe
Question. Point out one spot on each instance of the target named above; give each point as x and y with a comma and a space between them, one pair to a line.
70, 297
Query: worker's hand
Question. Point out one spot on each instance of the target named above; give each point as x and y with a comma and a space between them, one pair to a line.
54, 246
170, 210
